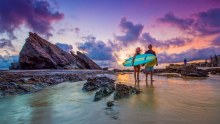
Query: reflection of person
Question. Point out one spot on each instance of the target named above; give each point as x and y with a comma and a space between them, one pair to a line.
148, 68
137, 67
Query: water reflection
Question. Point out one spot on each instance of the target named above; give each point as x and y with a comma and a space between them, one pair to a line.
42, 109
165, 101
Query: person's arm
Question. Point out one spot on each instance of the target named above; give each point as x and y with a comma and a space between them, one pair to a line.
156, 58
144, 53
133, 59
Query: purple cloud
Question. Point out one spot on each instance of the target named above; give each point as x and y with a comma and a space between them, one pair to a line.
183, 24
216, 41
202, 23
5, 43
147, 39
208, 22
65, 47
132, 31
192, 54
77, 30
35, 14
96, 50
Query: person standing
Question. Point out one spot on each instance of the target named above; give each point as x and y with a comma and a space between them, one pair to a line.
137, 67
149, 68
185, 61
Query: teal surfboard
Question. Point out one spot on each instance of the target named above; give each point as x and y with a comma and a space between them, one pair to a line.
147, 59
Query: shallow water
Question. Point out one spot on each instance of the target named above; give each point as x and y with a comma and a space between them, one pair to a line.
167, 101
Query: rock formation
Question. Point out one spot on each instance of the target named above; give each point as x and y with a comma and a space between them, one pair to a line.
38, 53
188, 70
123, 91
95, 83
86, 61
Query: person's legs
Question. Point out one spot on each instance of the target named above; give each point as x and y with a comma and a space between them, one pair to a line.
146, 76
151, 73
138, 71
151, 76
135, 71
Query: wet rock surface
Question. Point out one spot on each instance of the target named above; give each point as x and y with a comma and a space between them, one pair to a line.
94, 83
104, 91
124, 91
189, 70
106, 87
20, 82
194, 73
215, 71
110, 103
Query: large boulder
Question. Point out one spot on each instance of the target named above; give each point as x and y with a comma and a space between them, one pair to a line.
38, 53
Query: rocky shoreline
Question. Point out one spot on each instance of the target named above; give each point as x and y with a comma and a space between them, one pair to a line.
187, 71
179, 71
27, 81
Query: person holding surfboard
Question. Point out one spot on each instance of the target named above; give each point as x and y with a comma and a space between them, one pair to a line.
137, 67
148, 66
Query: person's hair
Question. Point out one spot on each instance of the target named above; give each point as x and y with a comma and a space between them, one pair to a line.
150, 46
138, 50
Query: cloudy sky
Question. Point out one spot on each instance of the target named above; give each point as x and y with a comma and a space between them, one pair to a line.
108, 31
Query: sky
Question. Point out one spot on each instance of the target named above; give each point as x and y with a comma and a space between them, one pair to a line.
108, 31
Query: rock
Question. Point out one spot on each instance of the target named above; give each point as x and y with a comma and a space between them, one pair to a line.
8, 88
189, 70
110, 103
86, 61
106, 68
28, 87
194, 73
93, 83
14, 66
38, 53
104, 91
214, 71
169, 74
27, 81
123, 91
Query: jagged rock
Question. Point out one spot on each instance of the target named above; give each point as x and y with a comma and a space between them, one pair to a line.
86, 61
110, 103
38, 53
123, 91
93, 83
104, 91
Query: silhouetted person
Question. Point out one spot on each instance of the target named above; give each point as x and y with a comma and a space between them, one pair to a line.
150, 69
137, 67
185, 61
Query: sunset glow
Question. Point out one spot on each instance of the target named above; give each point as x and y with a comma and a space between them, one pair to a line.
109, 31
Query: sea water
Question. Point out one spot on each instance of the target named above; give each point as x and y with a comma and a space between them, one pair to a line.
166, 101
